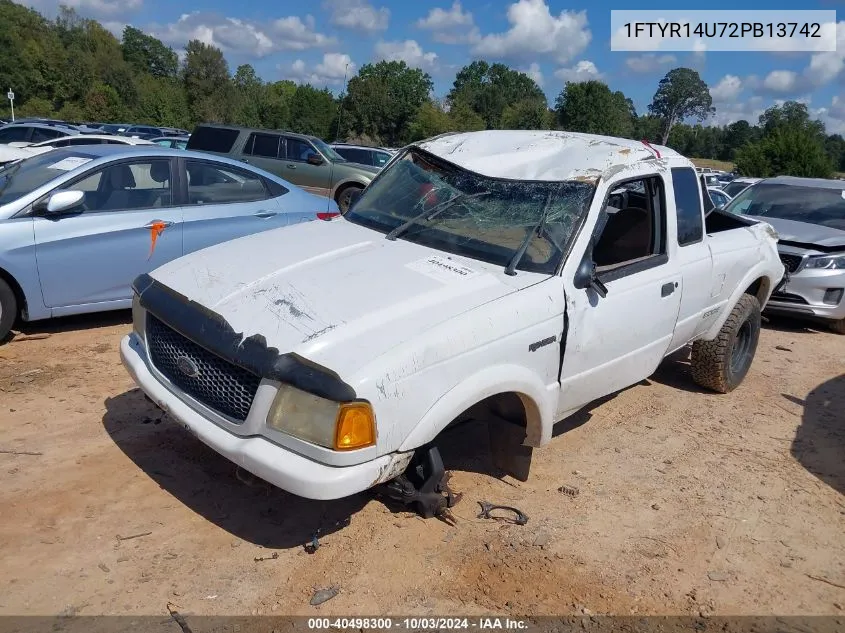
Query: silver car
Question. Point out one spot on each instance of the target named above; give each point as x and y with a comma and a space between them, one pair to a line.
809, 216
78, 224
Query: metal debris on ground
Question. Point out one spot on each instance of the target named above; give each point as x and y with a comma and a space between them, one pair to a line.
520, 517
29, 337
314, 544
324, 595
570, 491
274, 556
782, 348
11, 452
175, 615
131, 536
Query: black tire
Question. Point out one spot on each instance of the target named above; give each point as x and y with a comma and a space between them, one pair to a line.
342, 197
721, 364
8, 309
838, 326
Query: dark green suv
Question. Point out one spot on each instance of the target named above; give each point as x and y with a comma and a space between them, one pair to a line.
305, 161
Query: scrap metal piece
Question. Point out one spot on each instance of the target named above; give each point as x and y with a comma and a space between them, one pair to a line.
520, 517
424, 485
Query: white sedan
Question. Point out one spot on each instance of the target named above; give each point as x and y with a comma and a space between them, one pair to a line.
14, 151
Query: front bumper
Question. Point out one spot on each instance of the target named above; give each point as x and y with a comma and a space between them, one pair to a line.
804, 295
279, 466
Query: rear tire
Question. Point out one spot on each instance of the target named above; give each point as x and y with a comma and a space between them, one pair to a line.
342, 197
8, 309
721, 364
838, 326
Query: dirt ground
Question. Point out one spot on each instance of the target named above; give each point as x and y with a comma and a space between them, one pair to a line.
687, 502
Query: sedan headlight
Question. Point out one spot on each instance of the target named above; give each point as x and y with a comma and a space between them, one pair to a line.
341, 426
829, 262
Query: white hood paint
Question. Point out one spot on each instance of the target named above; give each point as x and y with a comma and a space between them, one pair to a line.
334, 292
541, 154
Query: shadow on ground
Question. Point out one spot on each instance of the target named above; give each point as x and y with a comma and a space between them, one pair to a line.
781, 323
819, 443
71, 323
675, 372
212, 486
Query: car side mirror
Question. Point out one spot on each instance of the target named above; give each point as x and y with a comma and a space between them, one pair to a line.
315, 159
586, 276
61, 202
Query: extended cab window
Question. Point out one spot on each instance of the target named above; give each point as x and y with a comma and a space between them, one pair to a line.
265, 145
688, 205
635, 227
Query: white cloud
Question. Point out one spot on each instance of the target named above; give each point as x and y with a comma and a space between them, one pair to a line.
649, 62
825, 67
727, 90
243, 36
535, 73
331, 70
584, 70
740, 109
409, 52
358, 15
450, 26
535, 31
781, 81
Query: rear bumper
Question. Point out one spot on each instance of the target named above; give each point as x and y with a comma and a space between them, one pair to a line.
818, 294
279, 466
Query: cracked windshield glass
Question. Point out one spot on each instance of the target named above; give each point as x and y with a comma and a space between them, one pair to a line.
428, 201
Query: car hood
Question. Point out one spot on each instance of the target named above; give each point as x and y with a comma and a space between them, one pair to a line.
807, 235
334, 292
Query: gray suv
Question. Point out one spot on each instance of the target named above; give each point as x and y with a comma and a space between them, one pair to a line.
305, 161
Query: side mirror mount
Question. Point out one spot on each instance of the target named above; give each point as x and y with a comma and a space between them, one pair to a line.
60, 202
315, 159
587, 277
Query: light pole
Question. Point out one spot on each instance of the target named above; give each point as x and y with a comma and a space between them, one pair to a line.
11, 97
340, 111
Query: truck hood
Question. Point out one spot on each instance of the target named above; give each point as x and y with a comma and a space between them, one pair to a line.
334, 292
807, 235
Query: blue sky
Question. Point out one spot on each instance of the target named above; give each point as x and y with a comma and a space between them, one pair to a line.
551, 40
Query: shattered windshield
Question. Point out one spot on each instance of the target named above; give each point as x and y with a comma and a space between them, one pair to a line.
422, 199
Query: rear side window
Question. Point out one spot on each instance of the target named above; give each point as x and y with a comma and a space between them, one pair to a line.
266, 145
213, 139
687, 206
221, 184
380, 158
13, 134
39, 134
355, 155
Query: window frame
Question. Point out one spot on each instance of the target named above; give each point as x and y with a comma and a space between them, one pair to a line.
250, 144
302, 140
699, 199
635, 266
184, 195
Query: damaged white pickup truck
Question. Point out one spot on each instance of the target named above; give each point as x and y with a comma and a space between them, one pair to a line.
510, 276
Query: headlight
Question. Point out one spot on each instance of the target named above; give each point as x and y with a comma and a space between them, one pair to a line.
139, 317
829, 262
341, 426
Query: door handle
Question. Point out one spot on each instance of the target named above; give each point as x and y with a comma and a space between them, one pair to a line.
245, 160
291, 166
668, 288
265, 214
155, 224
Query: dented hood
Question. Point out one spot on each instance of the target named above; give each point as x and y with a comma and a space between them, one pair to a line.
807, 235
334, 292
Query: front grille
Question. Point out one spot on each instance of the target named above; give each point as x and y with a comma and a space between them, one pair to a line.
791, 262
213, 381
787, 298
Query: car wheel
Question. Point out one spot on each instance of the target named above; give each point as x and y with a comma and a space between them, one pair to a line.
344, 197
838, 326
8, 309
721, 364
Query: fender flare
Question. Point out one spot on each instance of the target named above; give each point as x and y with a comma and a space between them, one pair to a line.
535, 396
760, 270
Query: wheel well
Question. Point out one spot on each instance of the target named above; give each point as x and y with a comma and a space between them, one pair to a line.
17, 290
759, 289
346, 186
512, 406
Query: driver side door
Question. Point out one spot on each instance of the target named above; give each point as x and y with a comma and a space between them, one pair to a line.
616, 340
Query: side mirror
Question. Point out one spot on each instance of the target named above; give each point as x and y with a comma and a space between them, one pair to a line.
62, 202
587, 277
315, 159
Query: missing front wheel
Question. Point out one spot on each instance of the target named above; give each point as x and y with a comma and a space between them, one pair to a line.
424, 485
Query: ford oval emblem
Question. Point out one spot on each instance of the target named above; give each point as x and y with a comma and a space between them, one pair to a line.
187, 367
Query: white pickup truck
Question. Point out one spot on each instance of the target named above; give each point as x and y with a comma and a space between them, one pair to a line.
513, 276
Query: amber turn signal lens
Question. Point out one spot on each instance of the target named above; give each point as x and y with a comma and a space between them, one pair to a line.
356, 426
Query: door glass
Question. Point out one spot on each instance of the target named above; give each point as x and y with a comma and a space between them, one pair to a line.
13, 134
688, 205
300, 150
126, 186
39, 135
218, 184
266, 145
380, 158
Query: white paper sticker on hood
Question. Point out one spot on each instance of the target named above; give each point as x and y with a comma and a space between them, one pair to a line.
442, 268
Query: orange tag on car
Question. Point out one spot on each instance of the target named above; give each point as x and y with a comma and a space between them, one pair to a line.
156, 229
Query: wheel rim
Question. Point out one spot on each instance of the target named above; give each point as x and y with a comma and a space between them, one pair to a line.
741, 346
343, 200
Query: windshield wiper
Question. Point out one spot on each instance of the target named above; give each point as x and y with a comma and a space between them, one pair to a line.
538, 229
430, 214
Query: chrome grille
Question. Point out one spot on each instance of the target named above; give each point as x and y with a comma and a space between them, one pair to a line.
791, 262
213, 381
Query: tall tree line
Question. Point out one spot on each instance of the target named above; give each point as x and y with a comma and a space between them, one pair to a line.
74, 69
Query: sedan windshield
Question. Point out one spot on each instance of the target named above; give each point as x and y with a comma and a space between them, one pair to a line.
22, 177
824, 206
423, 199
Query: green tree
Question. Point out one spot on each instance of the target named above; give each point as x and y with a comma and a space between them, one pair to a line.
465, 119
431, 120
207, 84
489, 89
647, 127
250, 93
312, 111
102, 103
787, 150
791, 114
834, 145
275, 110
680, 94
147, 54
162, 101
737, 135
383, 99
591, 107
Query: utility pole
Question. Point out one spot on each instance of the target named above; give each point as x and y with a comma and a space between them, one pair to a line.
11, 97
343, 97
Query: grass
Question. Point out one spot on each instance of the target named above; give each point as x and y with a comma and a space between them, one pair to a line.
713, 164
